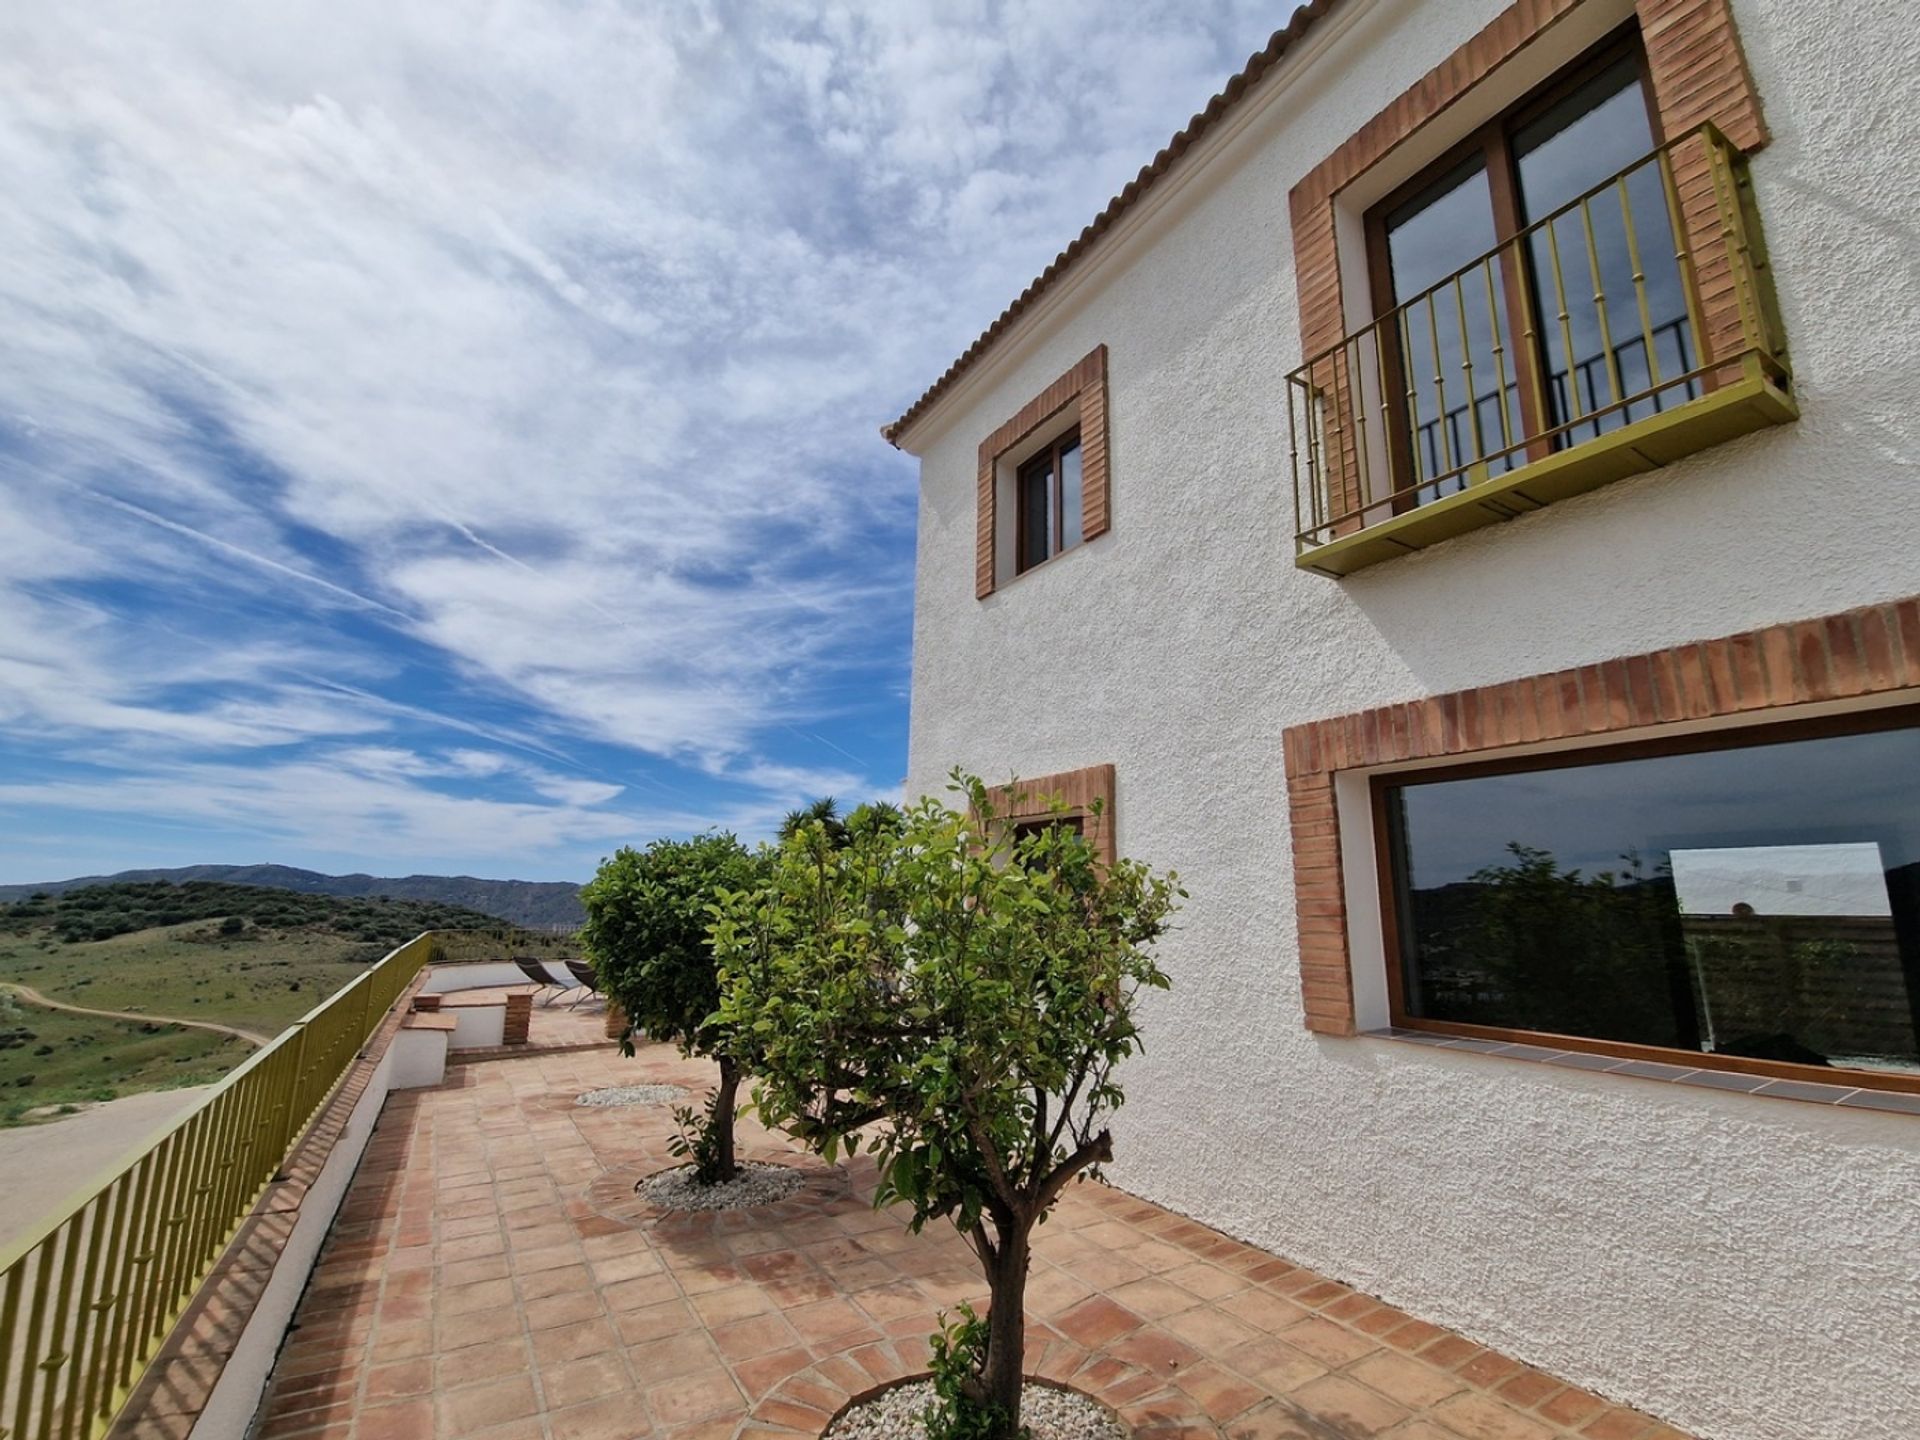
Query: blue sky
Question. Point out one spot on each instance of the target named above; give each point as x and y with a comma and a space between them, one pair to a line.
442, 437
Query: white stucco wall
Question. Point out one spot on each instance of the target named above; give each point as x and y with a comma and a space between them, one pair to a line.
1747, 1268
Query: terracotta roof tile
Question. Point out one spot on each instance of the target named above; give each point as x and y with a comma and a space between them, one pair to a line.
1230, 95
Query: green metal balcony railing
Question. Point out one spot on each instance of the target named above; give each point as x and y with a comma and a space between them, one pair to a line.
1629, 327
87, 1301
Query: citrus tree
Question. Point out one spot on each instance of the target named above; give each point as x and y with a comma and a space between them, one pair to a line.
955, 997
648, 912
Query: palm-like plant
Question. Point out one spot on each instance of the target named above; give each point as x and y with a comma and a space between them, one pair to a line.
824, 812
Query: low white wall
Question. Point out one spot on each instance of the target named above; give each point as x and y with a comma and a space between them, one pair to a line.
482, 975
242, 1385
477, 1027
419, 1058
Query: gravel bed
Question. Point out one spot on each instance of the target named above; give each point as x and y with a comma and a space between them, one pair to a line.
631, 1095
1049, 1413
755, 1185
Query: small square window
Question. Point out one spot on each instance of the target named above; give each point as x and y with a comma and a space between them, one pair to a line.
1048, 501
1043, 484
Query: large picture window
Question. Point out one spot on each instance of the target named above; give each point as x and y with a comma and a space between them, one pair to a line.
1758, 899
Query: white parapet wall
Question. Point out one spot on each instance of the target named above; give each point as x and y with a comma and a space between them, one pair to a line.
242, 1385
481, 975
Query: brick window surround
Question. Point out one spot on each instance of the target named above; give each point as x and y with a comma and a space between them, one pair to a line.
1085, 384
1087, 795
1853, 655
1698, 74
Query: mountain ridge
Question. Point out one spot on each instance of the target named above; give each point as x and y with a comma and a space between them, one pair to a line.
536, 904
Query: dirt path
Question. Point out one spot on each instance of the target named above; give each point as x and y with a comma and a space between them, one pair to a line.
41, 1165
34, 997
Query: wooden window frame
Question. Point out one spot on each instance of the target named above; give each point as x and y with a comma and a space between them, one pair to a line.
1085, 387
1051, 453
1382, 784
1492, 144
1695, 73
1867, 654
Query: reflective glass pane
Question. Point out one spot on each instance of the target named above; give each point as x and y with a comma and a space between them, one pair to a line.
1036, 511
1070, 497
1605, 276
1462, 397
1761, 901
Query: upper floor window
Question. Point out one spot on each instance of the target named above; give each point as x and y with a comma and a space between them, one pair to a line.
1049, 501
1575, 291
1484, 385
1043, 487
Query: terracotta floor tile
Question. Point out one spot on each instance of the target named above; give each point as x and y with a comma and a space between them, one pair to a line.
618, 1417
570, 1342
407, 1420
722, 1307
574, 1382
1209, 1329
476, 1363
755, 1336
399, 1379
1220, 1393
1350, 1408
1407, 1380
1480, 1417
1617, 1424
473, 1246
1276, 1420
556, 1310
699, 1396
1097, 1321
1325, 1341
1570, 1407
674, 1355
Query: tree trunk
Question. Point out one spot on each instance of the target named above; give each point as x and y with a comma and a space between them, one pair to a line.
723, 1102
1007, 1324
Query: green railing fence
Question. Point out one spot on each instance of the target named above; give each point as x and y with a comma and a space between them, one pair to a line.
88, 1299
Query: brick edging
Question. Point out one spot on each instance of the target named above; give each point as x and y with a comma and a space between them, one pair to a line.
1873, 650
1077, 790
1086, 382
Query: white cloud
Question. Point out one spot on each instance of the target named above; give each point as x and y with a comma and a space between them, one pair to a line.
542, 345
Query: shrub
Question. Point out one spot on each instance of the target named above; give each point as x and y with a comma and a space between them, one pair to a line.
648, 914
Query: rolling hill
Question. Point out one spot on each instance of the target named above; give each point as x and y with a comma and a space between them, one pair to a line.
539, 904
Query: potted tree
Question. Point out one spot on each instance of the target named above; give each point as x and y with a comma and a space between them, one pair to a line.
955, 996
648, 913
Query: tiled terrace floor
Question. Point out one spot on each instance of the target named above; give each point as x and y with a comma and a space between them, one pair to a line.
478, 1283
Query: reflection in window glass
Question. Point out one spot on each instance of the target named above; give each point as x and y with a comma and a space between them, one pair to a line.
1599, 130
1036, 510
1070, 494
1761, 901
1049, 502
1453, 339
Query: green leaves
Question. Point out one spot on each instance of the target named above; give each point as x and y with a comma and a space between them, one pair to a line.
963, 991
648, 914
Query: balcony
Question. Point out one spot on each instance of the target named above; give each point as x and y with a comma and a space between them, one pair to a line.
1631, 327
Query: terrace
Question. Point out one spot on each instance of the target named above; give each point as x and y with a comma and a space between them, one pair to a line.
489, 1273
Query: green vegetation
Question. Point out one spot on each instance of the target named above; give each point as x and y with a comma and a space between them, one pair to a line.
49, 1058
287, 953
955, 996
239, 955
648, 913
99, 912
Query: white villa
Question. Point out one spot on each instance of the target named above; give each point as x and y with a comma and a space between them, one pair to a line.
1465, 481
